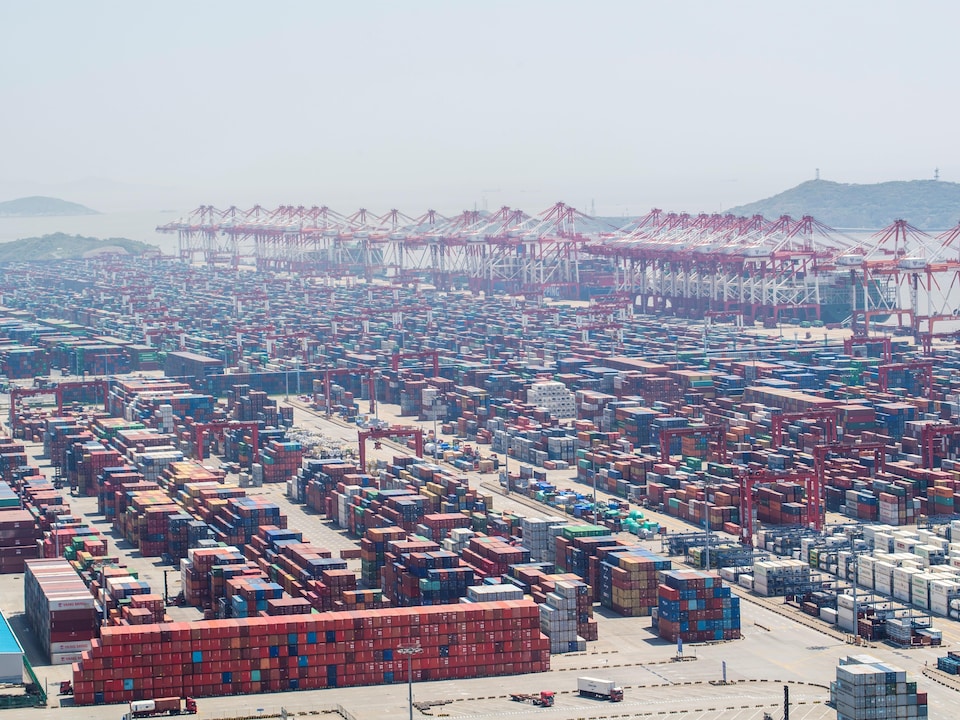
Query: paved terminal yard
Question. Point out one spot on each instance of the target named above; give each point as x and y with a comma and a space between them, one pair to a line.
779, 645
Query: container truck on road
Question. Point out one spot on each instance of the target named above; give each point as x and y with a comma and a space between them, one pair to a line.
160, 706
597, 688
544, 699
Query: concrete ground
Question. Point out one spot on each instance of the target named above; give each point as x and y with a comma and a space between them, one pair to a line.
779, 646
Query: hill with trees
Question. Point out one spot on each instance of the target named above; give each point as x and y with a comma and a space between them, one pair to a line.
927, 204
40, 206
60, 246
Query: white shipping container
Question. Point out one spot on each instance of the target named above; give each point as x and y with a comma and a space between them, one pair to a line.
939, 606
74, 646
65, 658
70, 602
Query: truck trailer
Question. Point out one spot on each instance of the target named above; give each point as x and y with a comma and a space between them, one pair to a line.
597, 688
160, 706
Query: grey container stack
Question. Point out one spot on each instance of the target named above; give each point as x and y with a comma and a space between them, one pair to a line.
868, 689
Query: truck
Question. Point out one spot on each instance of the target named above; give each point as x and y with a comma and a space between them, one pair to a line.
597, 688
160, 706
544, 699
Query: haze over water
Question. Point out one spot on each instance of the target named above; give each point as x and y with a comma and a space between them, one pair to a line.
140, 225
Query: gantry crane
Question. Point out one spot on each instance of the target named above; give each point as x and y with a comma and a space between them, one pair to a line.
369, 373
218, 429
813, 495
931, 433
716, 432
885, 342
820, 453
57, 391
394, 431
434, 355
924, 366
685, 264
827, 416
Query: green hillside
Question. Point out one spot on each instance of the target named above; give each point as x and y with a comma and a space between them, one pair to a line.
60, 246
39, 206
926, 204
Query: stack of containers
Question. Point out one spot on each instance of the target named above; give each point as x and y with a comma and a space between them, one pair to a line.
19, 532
772, 578
942, 592
145, 609
195, 572
458, 540
538, 537
437, 526
539, 581
58, 429
493, 593
239, 519
868, 688
289, 652
122, 587
492, 556
109, 482
343, 504
694, 606
949, 664
579, 549
373, 549
443, 578
569, 543
661, 423
250, 595
280, 460
12, 456
330, 589
561, 613
60, 610
89, 462
24, 362
629, 577
780, 504
151, 462
394, 576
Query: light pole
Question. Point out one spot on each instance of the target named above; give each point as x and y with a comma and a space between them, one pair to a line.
436, 442
505, 473
593, 469
286, 376
410, 651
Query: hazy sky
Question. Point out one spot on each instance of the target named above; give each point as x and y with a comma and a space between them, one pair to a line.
693, 106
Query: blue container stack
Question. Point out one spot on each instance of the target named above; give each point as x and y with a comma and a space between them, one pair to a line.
695, 606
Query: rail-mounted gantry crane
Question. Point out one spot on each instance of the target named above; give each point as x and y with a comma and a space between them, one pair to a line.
394, 431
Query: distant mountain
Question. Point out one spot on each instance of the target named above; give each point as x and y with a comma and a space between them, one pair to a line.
61, 246
926, 204
41, 206
104, 194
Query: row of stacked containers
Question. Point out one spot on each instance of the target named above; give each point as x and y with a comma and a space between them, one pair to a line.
339, 649
59, 608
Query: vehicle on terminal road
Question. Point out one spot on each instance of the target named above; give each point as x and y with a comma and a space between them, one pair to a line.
597, 688
544, 699
160, 706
